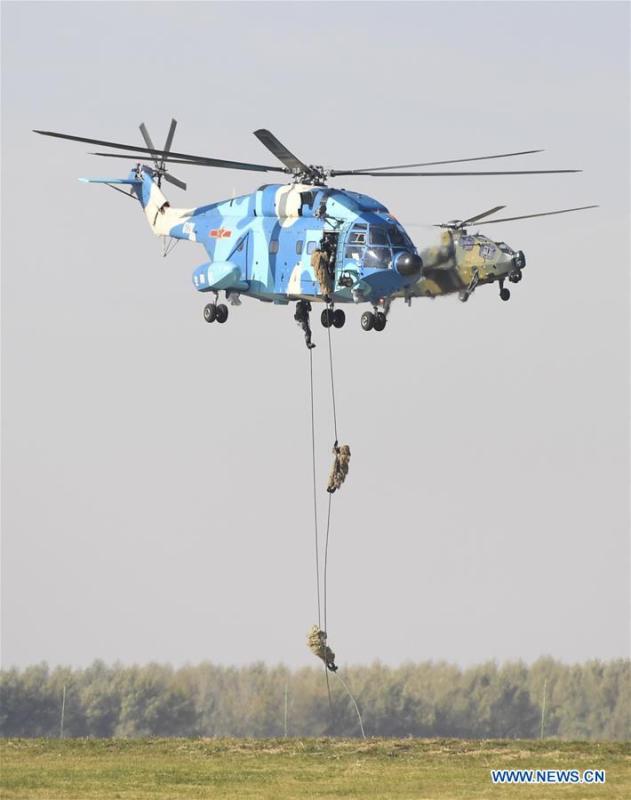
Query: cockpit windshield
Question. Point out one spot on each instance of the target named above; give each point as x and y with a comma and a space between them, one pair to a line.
378, 257
379, 236
399, 238
373, 245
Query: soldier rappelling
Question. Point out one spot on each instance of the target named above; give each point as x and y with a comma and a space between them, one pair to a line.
303, 308
316, 641
323, 264
320, 265
339, 470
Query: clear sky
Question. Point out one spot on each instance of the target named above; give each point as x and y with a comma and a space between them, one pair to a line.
156, 470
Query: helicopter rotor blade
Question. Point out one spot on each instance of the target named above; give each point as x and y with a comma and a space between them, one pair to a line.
147, 138
198, 161
206, 161
284, 155
175, 181
542, 214
170, 135
456, 224
162, 173
149, 143
480, 216
335, 173
450, 161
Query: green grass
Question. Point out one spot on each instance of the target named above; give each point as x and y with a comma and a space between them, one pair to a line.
291, 769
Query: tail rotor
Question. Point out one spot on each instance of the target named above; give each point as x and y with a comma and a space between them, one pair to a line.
160, 161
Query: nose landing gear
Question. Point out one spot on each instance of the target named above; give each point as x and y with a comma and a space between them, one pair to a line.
368, 321
375, 320
380, 321
504, 292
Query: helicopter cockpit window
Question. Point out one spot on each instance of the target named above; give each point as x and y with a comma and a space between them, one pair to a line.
378, 257
354, 251
311, 246
378, 236
398, 238
357, 237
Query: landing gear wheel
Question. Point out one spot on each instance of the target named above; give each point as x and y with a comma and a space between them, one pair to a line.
380, 321
327, 318
368, 320
504, 294
221, 313
210, 312
339, 318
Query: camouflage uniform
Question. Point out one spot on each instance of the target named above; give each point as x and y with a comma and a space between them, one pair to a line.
320, 265
318, 646
339, 470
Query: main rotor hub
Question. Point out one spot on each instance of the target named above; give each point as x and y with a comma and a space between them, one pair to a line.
314, 175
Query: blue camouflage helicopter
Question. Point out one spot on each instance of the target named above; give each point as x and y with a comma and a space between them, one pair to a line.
306, 242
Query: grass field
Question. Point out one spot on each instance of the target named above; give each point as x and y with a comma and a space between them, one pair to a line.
286, 769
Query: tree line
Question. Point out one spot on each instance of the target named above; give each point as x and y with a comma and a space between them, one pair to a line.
583, 701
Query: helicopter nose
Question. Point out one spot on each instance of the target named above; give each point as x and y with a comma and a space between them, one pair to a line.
408, 264
519, 260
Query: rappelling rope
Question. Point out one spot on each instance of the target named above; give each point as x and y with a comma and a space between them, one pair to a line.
315, 519
326, 557
328, 516
349, 693
328, 528
326, 545
315, 499
328, 330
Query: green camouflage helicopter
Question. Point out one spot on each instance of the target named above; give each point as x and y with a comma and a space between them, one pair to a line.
461, 262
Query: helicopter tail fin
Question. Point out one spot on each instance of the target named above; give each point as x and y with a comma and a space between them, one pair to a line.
160, 216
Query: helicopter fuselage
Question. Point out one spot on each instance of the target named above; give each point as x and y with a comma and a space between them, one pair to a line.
262, 244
